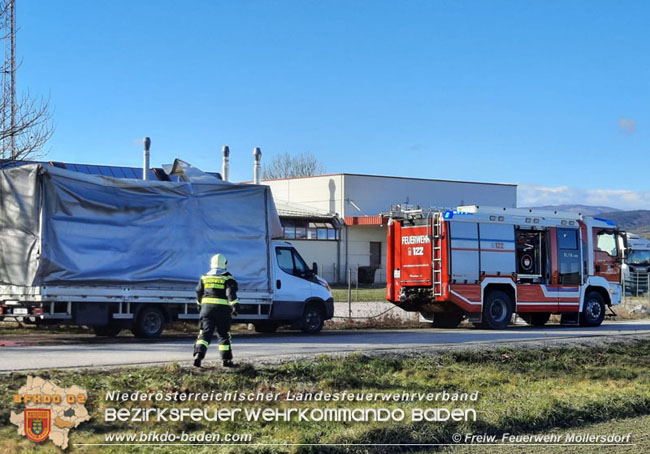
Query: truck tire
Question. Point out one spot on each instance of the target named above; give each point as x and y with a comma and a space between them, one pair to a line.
593, 310
312, 320
497, 310
110, 330
536, 319
150, 323
446, 320
265, 327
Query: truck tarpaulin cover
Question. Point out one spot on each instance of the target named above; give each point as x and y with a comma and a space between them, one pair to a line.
62, 227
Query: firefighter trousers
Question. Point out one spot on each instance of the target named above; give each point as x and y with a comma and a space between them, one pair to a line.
211, 317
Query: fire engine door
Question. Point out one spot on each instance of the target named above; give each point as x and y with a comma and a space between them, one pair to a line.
606, 262
568, 252
569, 268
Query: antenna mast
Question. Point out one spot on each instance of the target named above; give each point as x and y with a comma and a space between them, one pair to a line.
9, 80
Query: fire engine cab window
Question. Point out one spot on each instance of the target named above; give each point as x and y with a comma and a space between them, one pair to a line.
567, 239
607, 243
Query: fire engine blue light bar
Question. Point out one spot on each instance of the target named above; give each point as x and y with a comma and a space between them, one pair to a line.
607, 221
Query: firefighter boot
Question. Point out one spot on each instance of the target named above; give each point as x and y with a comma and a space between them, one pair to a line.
228, 363
197, 359
199, 354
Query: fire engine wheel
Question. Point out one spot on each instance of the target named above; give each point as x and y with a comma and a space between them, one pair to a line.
446, 320
312, 320
497, 310
593, 311
150, 323
537, 319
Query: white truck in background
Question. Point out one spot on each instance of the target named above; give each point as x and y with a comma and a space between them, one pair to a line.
636, 266
118, 254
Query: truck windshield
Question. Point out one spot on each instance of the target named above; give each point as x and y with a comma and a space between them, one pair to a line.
639, 257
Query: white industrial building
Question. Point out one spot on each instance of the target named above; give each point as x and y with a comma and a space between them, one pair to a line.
334, 220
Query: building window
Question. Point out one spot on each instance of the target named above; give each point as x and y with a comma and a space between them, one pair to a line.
375, 254
298, 229
301, 233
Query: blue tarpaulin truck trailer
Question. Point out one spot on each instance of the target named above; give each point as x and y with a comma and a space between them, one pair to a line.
125, 253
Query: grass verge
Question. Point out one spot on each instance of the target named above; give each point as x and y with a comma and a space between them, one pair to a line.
340, 294
520, 391
639, 442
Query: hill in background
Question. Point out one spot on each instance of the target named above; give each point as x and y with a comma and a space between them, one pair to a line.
587, 210
636, 221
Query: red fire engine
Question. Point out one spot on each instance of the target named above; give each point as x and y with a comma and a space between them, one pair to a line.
486, 263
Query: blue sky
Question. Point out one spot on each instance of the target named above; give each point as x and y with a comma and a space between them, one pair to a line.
553, 95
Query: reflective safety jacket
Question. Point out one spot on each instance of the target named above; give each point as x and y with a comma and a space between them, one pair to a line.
217, 289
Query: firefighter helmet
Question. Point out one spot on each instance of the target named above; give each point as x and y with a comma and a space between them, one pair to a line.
218, 261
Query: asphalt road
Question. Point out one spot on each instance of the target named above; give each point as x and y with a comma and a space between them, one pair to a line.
130, 351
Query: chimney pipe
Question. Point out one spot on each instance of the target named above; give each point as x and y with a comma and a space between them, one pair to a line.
225, 166
145, 165
257, 154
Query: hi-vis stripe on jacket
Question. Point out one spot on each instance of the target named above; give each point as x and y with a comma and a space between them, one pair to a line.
217, 289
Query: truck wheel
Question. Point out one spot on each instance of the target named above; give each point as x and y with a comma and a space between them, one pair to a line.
536, 319
150, 323
593, 311
443, 320
110, 330
265, 327
497, 310
312, 320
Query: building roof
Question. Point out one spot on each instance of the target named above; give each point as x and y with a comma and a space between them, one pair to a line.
366, 220
295, 210
387, 176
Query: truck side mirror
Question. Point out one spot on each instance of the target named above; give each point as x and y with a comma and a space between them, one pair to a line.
314, 268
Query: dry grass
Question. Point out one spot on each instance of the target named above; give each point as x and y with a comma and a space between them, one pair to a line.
633, 308
390, 320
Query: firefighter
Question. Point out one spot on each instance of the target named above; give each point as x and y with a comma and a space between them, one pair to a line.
216, 295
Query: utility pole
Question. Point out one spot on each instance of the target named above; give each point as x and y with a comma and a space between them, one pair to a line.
9, 79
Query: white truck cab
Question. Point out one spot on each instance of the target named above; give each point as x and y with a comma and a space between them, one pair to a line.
636, 265
299, 294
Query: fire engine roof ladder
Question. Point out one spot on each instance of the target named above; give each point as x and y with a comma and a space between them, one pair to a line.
437, 254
